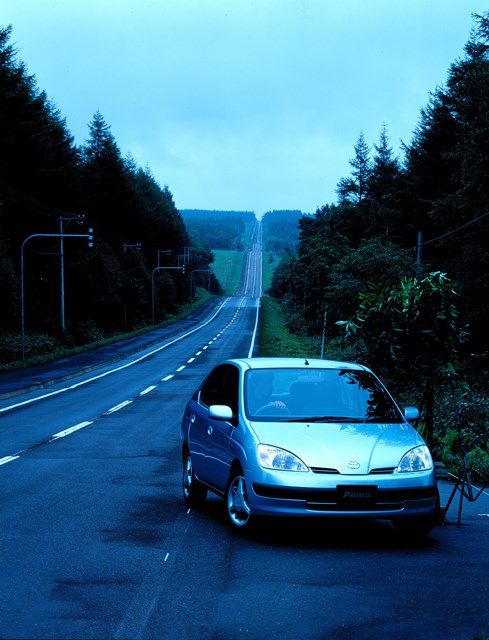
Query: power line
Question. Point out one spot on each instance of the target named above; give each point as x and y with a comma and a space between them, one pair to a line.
449, 233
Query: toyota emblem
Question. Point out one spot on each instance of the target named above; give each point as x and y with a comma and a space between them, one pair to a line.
353, 464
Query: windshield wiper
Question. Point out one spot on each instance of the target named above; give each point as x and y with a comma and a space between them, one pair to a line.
325, 419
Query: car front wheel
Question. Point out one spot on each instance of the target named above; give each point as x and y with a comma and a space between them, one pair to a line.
194, 493
238, 508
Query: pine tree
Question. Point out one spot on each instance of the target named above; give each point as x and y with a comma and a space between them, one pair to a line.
353, 190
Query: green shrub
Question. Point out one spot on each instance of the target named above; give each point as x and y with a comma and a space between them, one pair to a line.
35, 344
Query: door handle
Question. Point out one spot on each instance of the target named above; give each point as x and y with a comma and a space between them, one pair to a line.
209, 430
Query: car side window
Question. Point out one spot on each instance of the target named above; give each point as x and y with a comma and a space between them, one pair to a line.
221, 387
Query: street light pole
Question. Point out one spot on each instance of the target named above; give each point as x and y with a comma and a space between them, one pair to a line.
62, 219
88, 235
62, 274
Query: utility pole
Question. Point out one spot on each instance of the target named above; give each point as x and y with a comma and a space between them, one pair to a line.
89, 237
418, 254
324, 332
63, 219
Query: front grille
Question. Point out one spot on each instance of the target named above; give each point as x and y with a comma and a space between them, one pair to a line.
327, 499
376, 506
323, 470
382, 470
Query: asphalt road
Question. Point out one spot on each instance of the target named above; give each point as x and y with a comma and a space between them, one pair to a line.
96, 542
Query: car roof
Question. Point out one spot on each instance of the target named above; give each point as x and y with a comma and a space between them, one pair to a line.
296, 363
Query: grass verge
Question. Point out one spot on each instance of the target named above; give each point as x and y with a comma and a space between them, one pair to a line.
228, 266
269, 263
276, 340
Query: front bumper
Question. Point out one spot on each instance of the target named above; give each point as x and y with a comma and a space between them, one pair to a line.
345, 496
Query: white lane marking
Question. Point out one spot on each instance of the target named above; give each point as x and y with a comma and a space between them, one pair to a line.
124, 366
20, 404
198, 353
66, 432
204, 348
181, 368
252, 345
166, 378
190, 360
118, 407
8, 459
166, 557
147, 390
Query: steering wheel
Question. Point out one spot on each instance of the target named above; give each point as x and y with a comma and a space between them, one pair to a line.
271, 409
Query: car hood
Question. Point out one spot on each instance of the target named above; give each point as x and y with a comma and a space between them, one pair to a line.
348, 448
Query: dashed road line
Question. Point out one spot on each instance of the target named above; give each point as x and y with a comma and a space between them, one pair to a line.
181, 368
147, 390
8, 459
190, 360
166, 378
67, 432
118, 407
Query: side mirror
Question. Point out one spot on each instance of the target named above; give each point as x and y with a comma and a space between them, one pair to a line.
221, 412
411, 414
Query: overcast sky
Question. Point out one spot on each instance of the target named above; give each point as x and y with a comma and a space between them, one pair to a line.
242, 104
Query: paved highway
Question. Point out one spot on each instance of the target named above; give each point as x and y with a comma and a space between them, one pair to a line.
96, 542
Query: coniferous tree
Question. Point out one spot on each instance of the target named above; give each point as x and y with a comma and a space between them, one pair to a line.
353, 190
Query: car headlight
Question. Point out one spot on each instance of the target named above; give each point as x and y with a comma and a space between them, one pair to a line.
279, 459
418, 459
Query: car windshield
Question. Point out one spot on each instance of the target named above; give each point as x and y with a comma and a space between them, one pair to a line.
317, 395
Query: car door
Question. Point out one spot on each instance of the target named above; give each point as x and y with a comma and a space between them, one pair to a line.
220, 388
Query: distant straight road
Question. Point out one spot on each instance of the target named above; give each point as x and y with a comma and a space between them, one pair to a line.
96, 541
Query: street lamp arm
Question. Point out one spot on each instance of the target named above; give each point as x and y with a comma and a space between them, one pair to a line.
24, 242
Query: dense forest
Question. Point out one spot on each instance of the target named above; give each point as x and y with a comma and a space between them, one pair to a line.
400, 262
48, 185
218, 229
280, 232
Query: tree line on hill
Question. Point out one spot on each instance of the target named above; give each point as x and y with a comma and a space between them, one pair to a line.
401, 260
280, 232
218, 229
46, 184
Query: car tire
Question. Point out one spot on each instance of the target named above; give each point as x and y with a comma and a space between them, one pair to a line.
194, 492
237, 506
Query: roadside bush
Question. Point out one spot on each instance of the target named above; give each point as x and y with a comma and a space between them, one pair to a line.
35, 344
87, 332
477, 456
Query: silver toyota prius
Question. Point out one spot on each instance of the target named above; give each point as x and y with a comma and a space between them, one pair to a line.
307, 438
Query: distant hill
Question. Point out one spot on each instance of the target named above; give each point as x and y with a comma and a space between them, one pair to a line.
218, 229
281, 230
